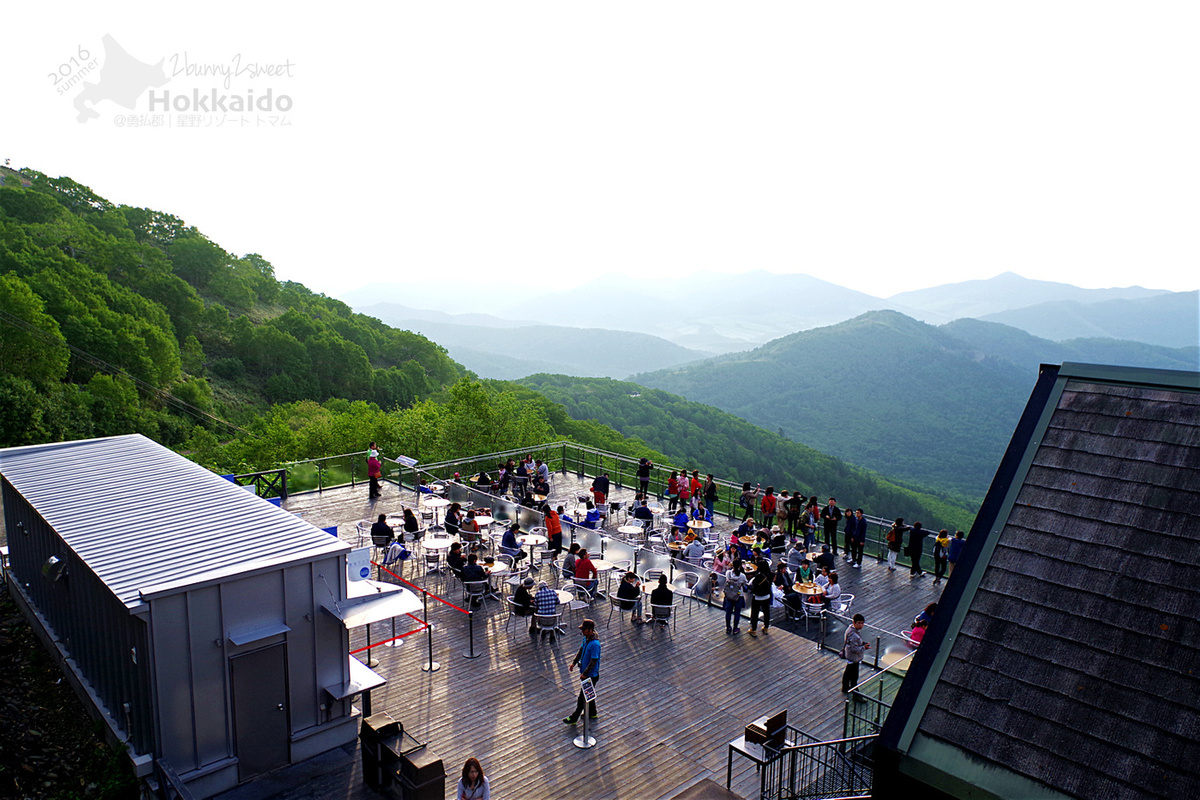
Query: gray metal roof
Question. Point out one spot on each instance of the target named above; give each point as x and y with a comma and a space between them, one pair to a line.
142, 517
1077, 661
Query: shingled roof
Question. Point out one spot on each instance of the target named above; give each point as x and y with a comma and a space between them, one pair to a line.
1071, 660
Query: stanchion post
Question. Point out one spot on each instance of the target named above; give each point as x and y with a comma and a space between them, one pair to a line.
431, 665
471, 636
589, 696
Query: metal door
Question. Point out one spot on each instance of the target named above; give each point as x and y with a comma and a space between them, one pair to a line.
260, 710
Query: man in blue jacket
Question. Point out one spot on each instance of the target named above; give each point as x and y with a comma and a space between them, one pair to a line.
588, 659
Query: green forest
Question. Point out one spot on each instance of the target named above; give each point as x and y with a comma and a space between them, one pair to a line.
115, 319
732, 448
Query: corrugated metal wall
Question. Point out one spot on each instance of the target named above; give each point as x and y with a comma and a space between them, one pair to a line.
106, 642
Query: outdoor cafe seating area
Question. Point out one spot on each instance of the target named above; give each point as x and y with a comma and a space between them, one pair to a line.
670, 696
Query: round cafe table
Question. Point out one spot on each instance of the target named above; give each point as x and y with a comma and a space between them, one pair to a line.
631, 530
436, 503
532, 540
699, 524
809, 588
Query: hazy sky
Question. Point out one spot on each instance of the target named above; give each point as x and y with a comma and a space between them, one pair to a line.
880, 146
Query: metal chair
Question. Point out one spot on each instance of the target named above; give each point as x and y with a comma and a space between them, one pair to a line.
812, 611
842, 604
581, 598
662, 617
364, 531
548, 624
513, 608
474, 592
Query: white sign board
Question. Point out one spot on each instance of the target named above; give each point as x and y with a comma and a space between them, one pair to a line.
406, 461
358, 564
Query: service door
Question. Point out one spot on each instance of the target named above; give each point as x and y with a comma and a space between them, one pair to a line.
260, 710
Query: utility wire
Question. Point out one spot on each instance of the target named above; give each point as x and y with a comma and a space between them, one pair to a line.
161, 394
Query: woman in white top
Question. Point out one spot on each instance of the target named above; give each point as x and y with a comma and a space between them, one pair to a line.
832, 591
473, 785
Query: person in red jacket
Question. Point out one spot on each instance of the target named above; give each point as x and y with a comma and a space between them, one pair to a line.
769, 506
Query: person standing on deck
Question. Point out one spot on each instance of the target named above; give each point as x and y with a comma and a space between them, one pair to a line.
768, 505
916, 546
853, 651
895, 542
643, 475
857, 538
831, 515
588, 661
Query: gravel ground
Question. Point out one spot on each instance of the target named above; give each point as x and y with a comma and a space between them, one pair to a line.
49, 746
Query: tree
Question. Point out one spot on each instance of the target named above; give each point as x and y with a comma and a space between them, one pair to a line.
40, 359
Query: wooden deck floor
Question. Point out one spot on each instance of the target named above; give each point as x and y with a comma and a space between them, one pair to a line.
669, 701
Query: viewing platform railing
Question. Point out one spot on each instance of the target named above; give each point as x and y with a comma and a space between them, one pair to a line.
350, 469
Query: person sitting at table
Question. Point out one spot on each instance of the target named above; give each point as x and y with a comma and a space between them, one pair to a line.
423, 487
455, 559
917, 633
832, 591
509, 545
747, 527
541, 486
586, 574
592, 518
381, 532
411, 524
503, 478
629, 593
469, 528
542, 471
553, 529
825, 559
453, 519
473, 573
643, 512
805, 572
822, 578
662, 594
520, 480
680, 521
795, 555
777, 538
694, 551
722, 560
926, 615
523, 600
783, 579
545, 604
568, 562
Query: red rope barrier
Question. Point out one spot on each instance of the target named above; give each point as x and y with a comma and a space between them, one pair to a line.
418, 588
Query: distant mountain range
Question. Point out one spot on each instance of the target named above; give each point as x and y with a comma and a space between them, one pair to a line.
506, 350
934, 405
721, 313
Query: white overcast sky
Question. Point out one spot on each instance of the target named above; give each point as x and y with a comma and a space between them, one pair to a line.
880, 146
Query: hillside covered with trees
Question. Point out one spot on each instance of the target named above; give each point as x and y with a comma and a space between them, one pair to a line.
701, 437
118, 319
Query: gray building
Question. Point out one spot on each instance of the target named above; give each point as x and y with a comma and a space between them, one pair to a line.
205, 626
1064, 658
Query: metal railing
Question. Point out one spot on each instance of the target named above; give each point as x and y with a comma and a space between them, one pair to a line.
350, 469
868, 703
170, 787
810, 769
268, 483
